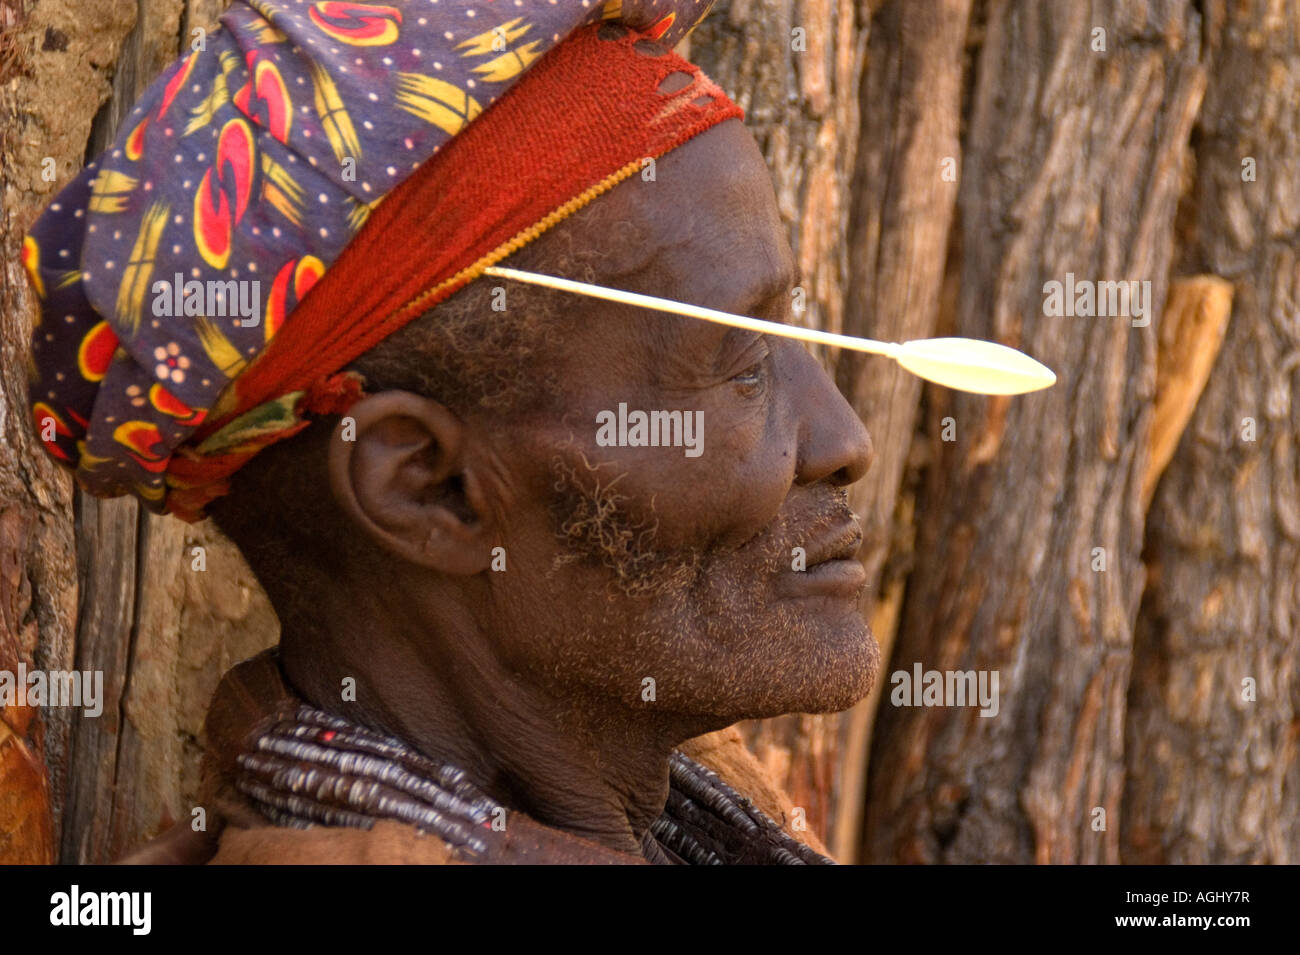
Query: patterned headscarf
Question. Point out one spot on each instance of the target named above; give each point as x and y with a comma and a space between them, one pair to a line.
177, 336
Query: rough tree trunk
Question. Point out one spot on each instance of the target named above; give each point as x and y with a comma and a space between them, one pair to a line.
55, 61
1213, 774
904, 195
1071, 164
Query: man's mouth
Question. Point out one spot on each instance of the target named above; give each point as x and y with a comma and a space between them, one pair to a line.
832, 568
841, 544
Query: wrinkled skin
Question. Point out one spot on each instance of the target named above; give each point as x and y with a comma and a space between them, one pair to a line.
533, 679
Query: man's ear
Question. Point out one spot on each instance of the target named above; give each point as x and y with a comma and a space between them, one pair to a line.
398, 474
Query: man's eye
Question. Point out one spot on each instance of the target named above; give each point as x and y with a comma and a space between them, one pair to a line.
752, 378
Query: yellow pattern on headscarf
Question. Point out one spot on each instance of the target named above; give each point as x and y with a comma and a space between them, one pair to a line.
436, 101
110, 191
138, 271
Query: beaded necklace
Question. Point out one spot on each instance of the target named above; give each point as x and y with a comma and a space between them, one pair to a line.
313, 768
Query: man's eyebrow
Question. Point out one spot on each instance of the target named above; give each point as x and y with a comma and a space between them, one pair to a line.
734, 339
773, 284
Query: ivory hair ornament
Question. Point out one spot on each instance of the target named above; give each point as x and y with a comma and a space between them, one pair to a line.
966, 364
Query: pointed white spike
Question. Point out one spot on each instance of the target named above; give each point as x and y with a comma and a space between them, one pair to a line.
969, 364
966, 364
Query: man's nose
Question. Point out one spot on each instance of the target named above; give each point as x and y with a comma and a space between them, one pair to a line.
835, 445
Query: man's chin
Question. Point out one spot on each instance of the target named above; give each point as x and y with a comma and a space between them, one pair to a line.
835, 669
846, 681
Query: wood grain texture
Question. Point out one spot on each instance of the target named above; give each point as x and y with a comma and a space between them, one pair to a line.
56, 64
1074, 167
1214, 776
904, 196
26, 822
1191, 334
109, 531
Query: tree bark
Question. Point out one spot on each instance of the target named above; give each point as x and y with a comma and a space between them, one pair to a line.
1213, 775
904, 196
55, 59
1073, 168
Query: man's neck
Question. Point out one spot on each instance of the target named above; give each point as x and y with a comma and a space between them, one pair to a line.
594, 773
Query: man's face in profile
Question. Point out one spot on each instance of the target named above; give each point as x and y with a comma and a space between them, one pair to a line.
632, 564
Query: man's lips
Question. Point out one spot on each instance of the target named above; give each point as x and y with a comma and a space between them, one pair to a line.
841, 544
833, 569
830, 578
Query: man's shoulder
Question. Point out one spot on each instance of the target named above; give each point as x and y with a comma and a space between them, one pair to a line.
389, 842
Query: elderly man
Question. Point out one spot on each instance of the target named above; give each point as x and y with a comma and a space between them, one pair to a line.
504, 635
